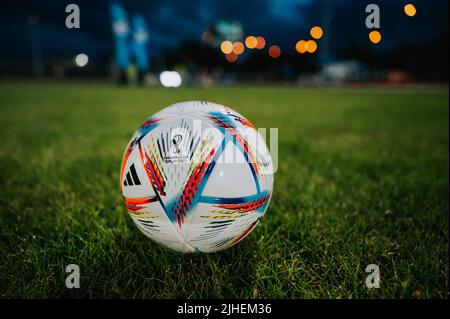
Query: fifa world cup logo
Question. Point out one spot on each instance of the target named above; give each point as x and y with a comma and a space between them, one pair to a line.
176, 140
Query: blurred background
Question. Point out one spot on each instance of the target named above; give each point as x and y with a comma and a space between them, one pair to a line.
173, 43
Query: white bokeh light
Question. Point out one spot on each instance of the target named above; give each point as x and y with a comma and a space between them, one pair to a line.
170, 79
81, 60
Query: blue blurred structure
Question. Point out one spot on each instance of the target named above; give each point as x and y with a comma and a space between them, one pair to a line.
121, 30
140, 40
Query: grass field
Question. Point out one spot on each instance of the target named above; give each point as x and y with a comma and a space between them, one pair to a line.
362, 179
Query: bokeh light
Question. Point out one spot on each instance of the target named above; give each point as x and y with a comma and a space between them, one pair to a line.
311, 46
231, 57
316, 32
170, 79
375, 37
81, 60
261, 43
300, 46
274, 51
238, 48
251, 42
410, 10
226, 47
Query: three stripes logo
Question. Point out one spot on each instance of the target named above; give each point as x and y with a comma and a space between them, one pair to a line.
131, 178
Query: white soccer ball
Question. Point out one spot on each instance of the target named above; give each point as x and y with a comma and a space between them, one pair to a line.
196, 177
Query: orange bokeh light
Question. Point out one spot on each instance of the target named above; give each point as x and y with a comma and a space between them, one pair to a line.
410, 10
274, 51
316, 32
311, 46
375, 37
261, 43
300, 46
251, 42
231, 57
226, 47
238, 48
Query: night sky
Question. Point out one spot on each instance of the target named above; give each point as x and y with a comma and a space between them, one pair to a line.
173, 22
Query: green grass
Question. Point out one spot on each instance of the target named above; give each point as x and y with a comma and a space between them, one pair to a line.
362, 179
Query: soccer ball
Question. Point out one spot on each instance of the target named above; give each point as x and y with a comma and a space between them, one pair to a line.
196, 177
